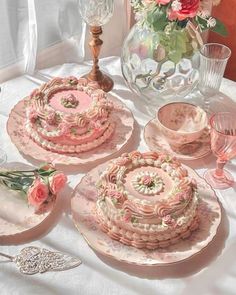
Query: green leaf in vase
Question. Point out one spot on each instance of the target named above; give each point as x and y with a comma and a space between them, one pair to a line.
180, 42
157, 18
175, 56
220, 28
202, 23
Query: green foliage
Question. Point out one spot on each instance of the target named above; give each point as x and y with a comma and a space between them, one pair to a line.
157, 18
177, 44
220, 28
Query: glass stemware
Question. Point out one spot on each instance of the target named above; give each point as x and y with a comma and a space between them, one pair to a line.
223, 145
213, 61
97, 13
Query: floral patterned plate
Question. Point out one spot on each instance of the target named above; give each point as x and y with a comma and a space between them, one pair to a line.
83, 208
190, 151
124, 129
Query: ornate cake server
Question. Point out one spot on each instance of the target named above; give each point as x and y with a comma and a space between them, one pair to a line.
32, 260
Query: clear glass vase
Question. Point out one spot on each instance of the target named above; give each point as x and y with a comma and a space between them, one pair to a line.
161, 65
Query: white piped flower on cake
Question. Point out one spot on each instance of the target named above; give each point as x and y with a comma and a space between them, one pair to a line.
148, 183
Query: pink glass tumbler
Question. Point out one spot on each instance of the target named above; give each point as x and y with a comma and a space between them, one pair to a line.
223, 145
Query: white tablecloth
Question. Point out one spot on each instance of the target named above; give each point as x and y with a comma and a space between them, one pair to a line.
212, 272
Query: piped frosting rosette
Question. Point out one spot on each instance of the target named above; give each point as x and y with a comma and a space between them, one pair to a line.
138, 218
65, 126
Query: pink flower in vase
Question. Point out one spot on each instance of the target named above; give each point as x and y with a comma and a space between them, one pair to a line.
37, 193
183, 9
57, 181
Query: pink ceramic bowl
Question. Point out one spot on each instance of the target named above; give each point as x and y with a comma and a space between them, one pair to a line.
181, 122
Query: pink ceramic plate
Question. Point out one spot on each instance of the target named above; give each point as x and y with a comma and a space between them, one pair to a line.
83, 207
124, 128
191, 151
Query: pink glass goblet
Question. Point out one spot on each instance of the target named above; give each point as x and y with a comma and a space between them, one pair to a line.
223, 145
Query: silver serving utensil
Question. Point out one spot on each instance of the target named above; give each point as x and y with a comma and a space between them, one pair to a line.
32, 260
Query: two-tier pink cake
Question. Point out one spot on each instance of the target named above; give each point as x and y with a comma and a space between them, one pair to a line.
69, 115
147, 200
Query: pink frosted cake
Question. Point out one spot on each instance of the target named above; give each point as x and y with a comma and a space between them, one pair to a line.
147, 200
69, 115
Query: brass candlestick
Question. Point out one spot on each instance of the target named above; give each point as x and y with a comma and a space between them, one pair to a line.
97, 13
104, 81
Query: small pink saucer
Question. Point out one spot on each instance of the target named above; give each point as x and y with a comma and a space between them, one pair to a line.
190, 151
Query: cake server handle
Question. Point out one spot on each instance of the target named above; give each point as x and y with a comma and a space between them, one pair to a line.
11, 258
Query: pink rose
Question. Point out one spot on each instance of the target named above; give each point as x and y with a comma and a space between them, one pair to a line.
57, 181
118, 196
37, 193
146, 180
189, 8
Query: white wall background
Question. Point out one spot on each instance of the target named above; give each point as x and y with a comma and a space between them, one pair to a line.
36, 34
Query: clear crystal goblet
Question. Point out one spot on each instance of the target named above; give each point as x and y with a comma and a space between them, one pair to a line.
213, 61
